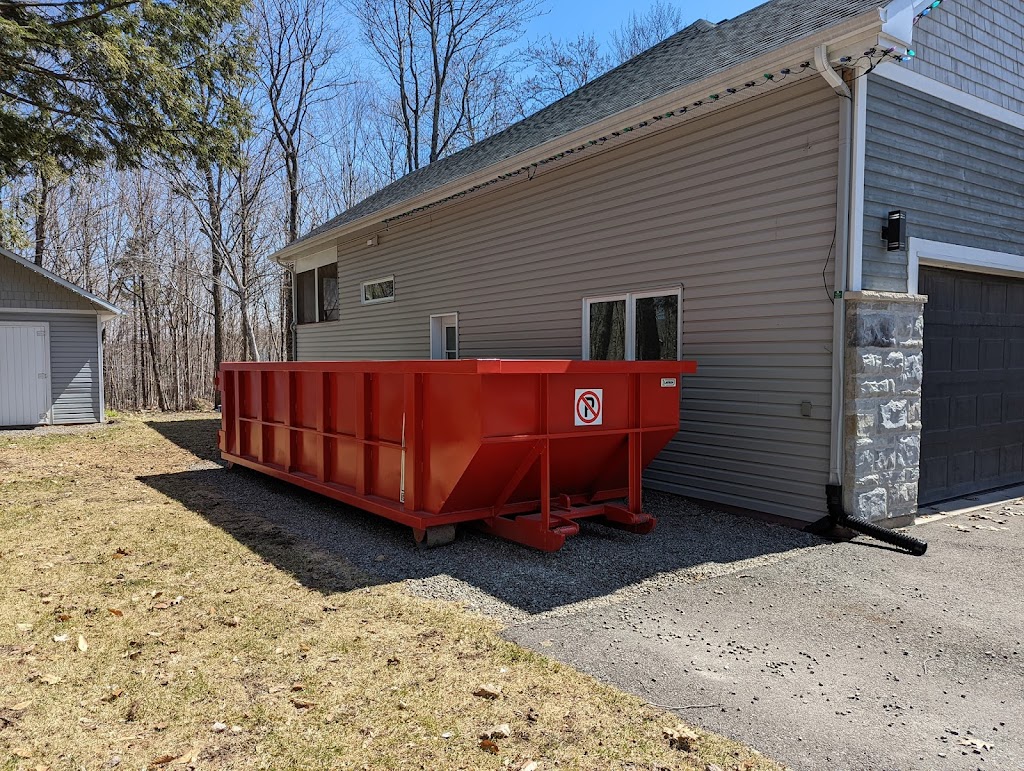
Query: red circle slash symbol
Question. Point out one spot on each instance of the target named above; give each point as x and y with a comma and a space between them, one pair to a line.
588, 407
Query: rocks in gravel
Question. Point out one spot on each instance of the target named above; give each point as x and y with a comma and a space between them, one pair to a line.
500, 731
219, 728
488, 691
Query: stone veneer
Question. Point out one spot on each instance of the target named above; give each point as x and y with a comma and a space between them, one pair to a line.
882, 437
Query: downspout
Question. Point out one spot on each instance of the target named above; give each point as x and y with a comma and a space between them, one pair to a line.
842, 251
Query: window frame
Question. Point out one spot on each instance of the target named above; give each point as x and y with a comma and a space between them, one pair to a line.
381, 280
438, 344
313, 265
630, 298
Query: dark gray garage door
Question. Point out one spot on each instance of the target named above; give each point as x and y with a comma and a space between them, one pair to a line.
972, 412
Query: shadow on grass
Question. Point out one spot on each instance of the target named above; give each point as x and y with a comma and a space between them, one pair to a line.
278, 521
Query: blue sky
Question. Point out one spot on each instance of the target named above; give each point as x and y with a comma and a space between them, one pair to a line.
568, 18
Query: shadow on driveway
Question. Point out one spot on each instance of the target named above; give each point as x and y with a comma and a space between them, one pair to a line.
510, 581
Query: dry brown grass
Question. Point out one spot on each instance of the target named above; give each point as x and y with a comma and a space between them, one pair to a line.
182, 626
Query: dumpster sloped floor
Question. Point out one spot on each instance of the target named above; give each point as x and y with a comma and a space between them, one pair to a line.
495, 577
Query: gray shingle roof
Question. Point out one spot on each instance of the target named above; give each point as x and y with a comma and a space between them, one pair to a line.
692, 54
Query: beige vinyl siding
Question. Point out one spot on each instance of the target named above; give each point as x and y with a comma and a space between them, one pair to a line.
737, 207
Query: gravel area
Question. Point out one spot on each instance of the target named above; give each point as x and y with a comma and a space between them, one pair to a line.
513, 583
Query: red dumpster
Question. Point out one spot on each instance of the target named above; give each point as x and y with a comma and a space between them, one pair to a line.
522, 449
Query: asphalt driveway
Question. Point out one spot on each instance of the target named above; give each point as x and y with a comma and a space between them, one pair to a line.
846, 656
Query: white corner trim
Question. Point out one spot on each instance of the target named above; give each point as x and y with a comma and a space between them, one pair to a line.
942, 255
855, 256
915, 80
99, 366
898, 19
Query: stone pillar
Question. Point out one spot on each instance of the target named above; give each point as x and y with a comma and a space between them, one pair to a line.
882, 437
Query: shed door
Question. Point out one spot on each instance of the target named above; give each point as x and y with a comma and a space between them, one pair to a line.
24, 374
972, 413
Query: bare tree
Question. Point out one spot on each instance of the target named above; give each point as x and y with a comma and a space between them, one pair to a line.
433, 51
296, 47
643, 30
560, 67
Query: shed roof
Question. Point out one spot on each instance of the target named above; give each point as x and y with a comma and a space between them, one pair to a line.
29, 265
689, 56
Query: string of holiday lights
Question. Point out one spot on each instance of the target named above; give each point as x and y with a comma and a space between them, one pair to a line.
927, 10
767, 79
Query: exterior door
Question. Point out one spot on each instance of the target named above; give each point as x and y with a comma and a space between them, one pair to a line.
24, 374
972, 412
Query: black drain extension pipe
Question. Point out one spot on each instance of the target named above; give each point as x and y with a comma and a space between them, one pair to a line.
915, 546
834, 500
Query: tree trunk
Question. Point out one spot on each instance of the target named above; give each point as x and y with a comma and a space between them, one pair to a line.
217, 272
154, 354
42, 205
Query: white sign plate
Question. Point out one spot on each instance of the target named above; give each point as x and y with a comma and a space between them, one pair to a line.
589, 409
668, 382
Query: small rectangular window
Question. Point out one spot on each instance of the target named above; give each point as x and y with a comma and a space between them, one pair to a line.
305, 297
327, 291
380, 290
638, 326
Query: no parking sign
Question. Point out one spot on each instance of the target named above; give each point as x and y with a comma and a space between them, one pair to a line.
589, 406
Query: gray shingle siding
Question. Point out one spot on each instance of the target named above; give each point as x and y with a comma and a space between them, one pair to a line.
22, 288
975, 47
74, 363
958, 175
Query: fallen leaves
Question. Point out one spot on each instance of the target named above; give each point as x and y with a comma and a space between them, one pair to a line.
61, 638
681, 737
115, 612
488, 746
83, 646
50, 679
302, 704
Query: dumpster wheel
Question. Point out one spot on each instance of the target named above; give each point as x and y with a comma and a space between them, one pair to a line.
438, 535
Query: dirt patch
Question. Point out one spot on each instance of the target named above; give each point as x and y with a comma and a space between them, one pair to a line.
135, 632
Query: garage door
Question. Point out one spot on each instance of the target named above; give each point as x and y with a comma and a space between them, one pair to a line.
24, 374
972, 412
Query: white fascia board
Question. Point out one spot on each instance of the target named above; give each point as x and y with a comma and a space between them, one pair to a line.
898, 74
898, 20
852, 34
58, 280
315, 260
942, 255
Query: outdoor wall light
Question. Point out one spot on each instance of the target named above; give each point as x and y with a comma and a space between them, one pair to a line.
895, 231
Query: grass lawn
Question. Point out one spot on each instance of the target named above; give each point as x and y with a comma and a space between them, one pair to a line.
135, 633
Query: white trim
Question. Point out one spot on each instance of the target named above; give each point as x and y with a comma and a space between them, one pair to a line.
58, 280
381, 280
49, 365
915, 80
630, 299
99, 356
54, 310
855, 256
438, 343
943, 255
317, 260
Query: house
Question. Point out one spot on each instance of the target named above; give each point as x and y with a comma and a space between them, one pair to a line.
722, 197
51, 347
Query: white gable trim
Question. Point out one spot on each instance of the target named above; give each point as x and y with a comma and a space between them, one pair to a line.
941, 255
58, 280
918, 82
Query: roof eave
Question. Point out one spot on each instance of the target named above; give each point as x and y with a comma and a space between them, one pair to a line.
848, 32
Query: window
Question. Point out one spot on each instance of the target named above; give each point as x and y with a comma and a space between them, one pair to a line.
444, 336
641, 326
327, 292
380, 290
305, 297
316, 294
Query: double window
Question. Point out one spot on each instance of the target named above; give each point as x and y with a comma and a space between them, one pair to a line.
316, 294
641, 326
